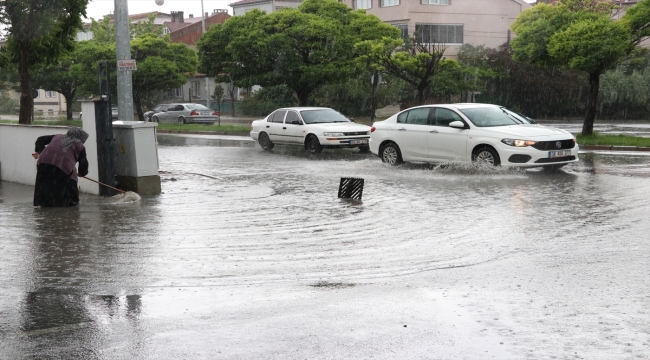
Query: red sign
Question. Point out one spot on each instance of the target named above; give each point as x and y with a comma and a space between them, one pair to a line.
125, 65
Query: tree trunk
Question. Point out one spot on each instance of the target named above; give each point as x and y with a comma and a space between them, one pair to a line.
592, 104
303, 98
138, 106
69, 97
26, 100
232, 100
420, 97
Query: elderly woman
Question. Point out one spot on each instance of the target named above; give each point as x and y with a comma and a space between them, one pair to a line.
56, 177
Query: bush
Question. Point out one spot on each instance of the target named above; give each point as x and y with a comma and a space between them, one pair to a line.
265, 100
7, 105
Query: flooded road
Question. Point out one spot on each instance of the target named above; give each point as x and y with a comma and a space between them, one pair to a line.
248, 254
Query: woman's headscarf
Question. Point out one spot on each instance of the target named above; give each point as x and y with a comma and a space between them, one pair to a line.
74, 135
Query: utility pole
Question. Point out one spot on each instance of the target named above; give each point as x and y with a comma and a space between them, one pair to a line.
124, 77
207, 80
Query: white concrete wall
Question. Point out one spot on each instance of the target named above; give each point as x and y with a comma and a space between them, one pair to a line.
16, 148
88, 124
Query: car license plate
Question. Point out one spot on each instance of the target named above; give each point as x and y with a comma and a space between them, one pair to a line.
358, 142
559, 153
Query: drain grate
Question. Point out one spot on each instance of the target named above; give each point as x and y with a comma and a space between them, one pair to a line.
351, 188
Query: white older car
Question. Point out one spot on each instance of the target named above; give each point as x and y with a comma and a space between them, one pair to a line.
470, 132
314, 128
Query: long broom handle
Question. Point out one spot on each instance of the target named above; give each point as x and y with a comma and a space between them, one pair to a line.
101, 183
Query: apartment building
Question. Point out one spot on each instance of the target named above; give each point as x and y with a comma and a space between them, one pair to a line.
243, 6
449, 22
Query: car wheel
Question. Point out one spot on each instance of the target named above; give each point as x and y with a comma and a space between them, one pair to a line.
181, 120
364, 149
313, 145
486, 155
390, 154
265, 142
155, 119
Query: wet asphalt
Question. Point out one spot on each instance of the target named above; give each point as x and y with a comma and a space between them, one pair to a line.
251, 255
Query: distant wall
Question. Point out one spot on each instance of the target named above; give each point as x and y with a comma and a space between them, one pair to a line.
16, 148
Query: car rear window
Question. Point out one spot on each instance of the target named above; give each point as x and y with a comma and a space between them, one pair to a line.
278, 116
196, 107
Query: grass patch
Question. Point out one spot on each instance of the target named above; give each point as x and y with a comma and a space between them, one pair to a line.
224, 128
613, 140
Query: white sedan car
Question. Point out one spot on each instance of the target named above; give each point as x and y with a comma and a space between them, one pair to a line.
470, 132
314, 128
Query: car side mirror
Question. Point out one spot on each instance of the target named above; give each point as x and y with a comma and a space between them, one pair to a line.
457, 124
296, 122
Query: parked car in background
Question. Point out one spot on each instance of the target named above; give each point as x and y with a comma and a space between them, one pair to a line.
314, 128
114, 113
158, 108
186, 114
470, 132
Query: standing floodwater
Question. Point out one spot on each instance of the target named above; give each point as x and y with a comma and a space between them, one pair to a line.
249, 254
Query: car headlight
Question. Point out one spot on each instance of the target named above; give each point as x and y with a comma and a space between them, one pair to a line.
518, 143
333, 134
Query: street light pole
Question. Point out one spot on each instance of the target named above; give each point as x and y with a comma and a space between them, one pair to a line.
123, 49
207, 80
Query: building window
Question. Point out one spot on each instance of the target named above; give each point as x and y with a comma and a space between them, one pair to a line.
196, 89
389, 3
362, 4
404, 28
435, 2
440, 34
50, 94
178, 92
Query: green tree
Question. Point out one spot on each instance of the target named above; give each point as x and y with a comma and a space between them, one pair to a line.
625, 91
303, 48
413, 59
57, 77
581, 35
39, 32
162, 66
533, 90
104, 29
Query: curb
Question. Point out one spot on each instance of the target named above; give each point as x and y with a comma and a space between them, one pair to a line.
202, 132
614, 148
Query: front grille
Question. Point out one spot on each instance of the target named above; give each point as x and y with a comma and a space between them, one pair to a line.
519, 159
355, 133
557, 159
552, 145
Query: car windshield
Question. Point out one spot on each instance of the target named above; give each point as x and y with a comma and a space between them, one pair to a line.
519, 117
489, 116
196, 107
320, 116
